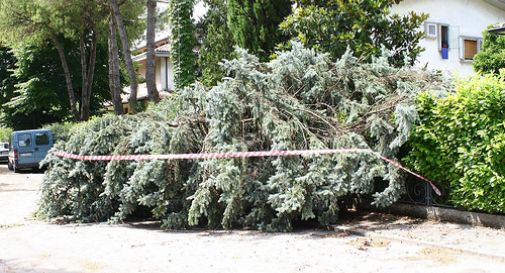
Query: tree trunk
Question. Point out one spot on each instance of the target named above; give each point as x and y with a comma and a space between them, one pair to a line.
151, 44
127, 55
88, 74
114, 77
84, 72
68, 77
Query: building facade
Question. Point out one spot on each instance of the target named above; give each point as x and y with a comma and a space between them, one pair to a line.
453, 30
163, 67
164, 75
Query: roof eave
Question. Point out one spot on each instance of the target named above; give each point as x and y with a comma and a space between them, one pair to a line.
143, 56
497, 3
498, 30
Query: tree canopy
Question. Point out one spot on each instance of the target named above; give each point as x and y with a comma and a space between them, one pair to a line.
249, 24
78, 33
36, 95
216, 45
491, 57
254, 24
7, 66
363, 26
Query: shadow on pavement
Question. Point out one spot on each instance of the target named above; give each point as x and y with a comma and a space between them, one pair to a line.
5, 170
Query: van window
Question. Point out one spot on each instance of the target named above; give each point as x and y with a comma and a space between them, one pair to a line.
41, 139
6, 145
24, 140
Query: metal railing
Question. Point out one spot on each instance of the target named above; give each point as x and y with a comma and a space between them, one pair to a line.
418, 192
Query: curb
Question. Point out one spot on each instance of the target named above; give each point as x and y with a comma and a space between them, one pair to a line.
437, 214
446, 215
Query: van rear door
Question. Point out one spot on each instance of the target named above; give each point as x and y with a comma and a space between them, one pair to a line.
43, 142
25, 147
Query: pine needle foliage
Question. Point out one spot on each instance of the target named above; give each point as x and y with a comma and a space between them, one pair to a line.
300, 100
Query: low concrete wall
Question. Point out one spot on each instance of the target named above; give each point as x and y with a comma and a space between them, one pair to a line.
444, 214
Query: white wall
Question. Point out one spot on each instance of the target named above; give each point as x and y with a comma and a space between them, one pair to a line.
464, 17
158, 76
164, 74
171, 85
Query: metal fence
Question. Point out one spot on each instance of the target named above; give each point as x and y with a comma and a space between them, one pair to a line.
419, 192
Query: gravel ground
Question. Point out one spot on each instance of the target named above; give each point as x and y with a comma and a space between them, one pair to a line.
368, 243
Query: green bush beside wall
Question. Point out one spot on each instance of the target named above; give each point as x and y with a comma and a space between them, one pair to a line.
461, 142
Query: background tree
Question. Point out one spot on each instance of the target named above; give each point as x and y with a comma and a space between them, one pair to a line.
151, 46
76, 30
82, 23
250, 24
7, 66
29, 22
85, 22
183, 37
491, 57
133, 26
127, 55
216, 45
114, 68
363, 26
254, 24
36, 94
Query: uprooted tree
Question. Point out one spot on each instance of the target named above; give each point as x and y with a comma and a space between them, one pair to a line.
300, 100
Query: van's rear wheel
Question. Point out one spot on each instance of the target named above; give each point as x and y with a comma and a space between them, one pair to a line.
9, 165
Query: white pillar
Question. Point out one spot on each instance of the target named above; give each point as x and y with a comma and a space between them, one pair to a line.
163, 74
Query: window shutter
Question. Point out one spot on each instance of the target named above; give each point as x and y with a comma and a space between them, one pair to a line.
471, 48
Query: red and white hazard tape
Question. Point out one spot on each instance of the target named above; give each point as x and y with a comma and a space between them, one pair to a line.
195, 156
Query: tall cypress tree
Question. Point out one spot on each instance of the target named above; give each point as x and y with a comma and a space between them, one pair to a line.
254, 24
216, 43
183, 42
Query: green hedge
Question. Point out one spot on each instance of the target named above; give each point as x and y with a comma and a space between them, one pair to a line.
461, 142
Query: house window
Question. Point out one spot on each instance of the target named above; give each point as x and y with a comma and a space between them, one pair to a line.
443, 41
441, 33
444, 36
431, 30
469, 47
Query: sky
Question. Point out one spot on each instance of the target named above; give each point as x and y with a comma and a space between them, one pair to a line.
199, 11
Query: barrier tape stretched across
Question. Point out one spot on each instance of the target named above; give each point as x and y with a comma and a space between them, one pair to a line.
193, 156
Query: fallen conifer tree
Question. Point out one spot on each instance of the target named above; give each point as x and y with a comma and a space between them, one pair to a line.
300, 100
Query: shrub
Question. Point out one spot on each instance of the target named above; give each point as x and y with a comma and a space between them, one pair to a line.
460, 142
61, 131
5, 134
301, 100
491, 57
